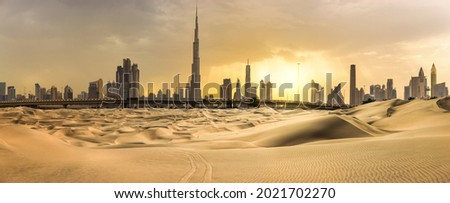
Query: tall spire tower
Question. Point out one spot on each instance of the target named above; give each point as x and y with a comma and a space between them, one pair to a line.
433, 80
195, 91
248, 82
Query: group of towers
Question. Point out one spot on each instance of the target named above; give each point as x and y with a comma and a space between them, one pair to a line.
127, 86
192, 91
418, 86
250, 89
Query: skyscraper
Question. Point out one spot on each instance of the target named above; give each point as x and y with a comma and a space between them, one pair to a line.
120, 81
176, 87
135, 91
269, 91
417, 86
68, 92
195, 91
2, 91
433, 81
353, 85
238, 94
53, 93
262, 91
43, 93
336, 98
11, 93
225, 90
329, 84
165, 91
248, 82
440, 90
95, 88
315, 92
390, 88
36, 91
359, 96
100, 88
127, 77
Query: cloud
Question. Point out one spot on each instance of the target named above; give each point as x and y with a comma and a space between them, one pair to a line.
86, 37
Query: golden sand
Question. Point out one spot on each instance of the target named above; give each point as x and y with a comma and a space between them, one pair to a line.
391, 141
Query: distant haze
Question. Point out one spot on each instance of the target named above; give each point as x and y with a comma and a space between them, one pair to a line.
73, 42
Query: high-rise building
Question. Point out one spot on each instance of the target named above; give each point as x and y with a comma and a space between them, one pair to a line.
59, 95
112, 90
150, 90
336, 98
176, 87
353, 85
2, 88
42, 93
359, 96
128, 80
181, 94
407, 94
377, 93
262, 91
440, 90
187, 92
135, 91
195, 91
372, 90
53, 93
329, 84
36, 91
68, 92
11, 93
83, 95
238, 94
390, 89
165, 90
20, 97
95, 88
31, 97
394, 93
433, 80
418, 86
248, 83
269, 87
252, 92
120, 80
226, 90
315, 92
159, 96
2, 91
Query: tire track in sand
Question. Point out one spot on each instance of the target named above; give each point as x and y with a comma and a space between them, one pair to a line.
200, 171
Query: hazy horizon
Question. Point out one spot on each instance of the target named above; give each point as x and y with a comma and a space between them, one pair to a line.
62, 42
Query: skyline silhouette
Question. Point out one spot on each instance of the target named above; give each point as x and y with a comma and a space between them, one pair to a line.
279, 65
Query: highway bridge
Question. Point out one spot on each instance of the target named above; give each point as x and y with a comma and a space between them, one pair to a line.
168, 103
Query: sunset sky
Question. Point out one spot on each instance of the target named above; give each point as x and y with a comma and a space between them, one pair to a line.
60, 42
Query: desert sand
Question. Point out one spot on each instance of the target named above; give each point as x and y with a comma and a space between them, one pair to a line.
390, 141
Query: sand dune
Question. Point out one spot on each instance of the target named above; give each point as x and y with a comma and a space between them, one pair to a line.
391, 141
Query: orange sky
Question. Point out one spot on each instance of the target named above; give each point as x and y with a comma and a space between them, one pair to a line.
60, 42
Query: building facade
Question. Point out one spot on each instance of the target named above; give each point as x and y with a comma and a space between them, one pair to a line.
353, 85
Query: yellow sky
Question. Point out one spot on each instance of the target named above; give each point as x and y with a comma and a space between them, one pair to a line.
60, 42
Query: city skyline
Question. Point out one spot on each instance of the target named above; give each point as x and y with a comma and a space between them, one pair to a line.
220, 59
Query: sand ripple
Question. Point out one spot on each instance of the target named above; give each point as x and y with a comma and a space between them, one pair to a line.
391, 141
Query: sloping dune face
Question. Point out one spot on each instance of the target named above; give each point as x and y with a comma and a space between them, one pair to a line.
321, 128
391, 141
